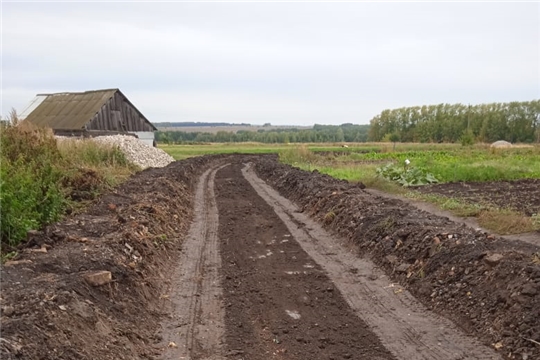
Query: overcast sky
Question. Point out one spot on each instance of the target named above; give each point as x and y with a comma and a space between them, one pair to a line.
284, 63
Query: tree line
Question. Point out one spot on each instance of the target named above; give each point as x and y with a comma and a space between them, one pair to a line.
319, 133
513, 122
195, 124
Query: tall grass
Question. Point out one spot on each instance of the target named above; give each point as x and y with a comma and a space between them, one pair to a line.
40, 180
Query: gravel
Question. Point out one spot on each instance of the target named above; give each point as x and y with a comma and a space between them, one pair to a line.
136, 151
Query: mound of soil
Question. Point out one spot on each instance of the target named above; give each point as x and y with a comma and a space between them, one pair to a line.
489, 286
50, 308
519, 195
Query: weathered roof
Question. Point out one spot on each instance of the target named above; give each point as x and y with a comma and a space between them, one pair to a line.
70, 110
67, 110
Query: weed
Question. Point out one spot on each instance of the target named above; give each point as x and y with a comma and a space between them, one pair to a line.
8, 256
506, 222
329, 217
385, 226
298, 155
39, 179
406, 176
536, 258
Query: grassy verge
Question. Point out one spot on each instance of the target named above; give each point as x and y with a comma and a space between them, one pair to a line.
498, 220
40, 180
455, 163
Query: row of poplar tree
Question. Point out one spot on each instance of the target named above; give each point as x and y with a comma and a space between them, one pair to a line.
513, 122
319, 133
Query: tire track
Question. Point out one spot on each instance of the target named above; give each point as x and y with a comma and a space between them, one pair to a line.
405, 326
196, 327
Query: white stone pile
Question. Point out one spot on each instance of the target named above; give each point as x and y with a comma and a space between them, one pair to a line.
136, 151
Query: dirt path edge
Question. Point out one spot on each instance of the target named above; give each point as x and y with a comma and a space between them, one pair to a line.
487, 285
49, 308
404, 325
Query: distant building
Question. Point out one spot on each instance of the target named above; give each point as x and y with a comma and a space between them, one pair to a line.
89, 113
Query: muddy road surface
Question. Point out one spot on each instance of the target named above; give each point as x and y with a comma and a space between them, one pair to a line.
241, 257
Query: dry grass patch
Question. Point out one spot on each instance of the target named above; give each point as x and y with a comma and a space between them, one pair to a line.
506, 222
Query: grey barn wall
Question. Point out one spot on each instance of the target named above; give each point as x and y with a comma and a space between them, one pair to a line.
119, 115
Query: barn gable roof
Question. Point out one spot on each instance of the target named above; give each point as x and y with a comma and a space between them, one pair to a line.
70, 110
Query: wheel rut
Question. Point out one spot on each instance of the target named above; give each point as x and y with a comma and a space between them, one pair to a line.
195, 327
404, 326
260, 280
280, 304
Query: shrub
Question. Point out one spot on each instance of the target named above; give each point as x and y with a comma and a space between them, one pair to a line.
30, 190
40, 180
467, 139
406, 176
297, 155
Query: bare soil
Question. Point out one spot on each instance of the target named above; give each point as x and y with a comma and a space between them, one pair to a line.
280, 304
209, 262
50, 312
488, 285
519, 195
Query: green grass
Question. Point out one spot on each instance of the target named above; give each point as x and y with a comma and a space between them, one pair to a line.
41, 180
455, 163
447, 162
358, 162
180, 152
458, 164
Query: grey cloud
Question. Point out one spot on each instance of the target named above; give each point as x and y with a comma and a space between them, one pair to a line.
289, 63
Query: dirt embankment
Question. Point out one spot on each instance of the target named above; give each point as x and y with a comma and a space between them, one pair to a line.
489, 286
519, 195
50, 310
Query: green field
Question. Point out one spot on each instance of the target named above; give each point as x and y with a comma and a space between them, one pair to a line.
445, 162
358, 162
180, 152
449, 165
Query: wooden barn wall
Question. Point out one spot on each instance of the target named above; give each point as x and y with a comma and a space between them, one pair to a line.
118, 115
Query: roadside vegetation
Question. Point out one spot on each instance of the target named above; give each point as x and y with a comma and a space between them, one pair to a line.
179, 152
387, 171
42, 180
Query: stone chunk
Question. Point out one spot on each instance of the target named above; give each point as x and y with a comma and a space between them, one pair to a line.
17, 262
493, 259
98, 278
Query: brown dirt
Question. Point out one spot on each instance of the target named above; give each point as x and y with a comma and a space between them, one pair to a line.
266, 284
444, 264
50, 312
406, 328
519, 195
167, 296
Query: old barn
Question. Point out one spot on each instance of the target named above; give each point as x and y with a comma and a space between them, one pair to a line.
89, 113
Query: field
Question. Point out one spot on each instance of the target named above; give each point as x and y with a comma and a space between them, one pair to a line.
180, 152
447, 163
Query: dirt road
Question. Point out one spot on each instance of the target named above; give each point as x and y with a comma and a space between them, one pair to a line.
289, 290
242, 257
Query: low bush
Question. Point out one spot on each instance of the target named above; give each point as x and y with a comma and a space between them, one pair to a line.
406, 176
297, 155
40, 180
